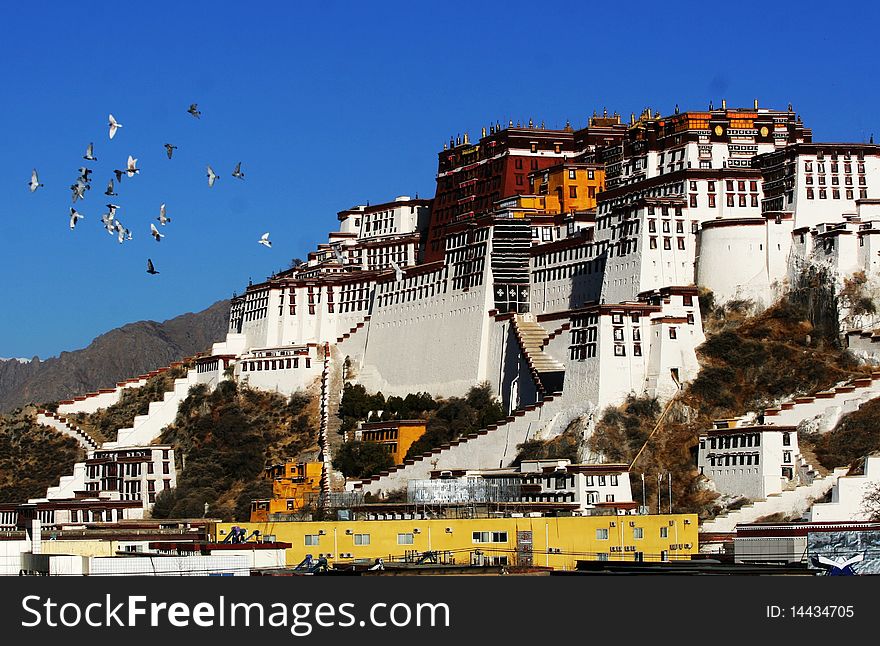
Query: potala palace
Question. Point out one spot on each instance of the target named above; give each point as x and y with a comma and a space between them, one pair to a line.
560, 266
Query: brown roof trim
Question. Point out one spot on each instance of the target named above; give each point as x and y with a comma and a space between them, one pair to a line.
733, 222
602, 310
749, 429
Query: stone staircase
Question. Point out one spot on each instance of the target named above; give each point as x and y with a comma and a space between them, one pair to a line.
63, 426
147, 428
826, 406
323, 441
488, 448
547, 372
792, 502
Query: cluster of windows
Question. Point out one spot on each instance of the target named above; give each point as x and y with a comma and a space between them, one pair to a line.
583, 334
354, 297
275, 364
256, 305
411, 288
734, 441
380, 257
833, 179
733, 459
489, 537
379, 222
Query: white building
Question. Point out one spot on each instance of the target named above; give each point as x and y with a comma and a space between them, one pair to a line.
848, 495
137, 473
591, 486
748, 460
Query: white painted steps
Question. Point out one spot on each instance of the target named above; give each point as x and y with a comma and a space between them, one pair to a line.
792, 502
827, 406
60, 424
146, 428
488, 448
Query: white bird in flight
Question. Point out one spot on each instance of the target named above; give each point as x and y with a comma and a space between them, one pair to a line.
34, 184
155, 233
74, 217
131, 170
264, 240
212, 176
123, 234
163, 220
79, 190
90, 153
107, 220
114, 126
237, 172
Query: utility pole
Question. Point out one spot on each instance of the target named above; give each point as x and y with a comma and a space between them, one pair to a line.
644, 493
659, 491
669, 482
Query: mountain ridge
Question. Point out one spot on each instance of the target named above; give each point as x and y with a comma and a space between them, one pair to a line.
147, 345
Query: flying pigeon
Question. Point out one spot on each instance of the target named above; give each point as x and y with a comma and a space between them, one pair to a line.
155, 233
90, 153
113, 208
107, 220
79, 190
150, 268
264, 240
163, 220
74, 217
123, 234
34, 184
119, 174
131, 170
237, 172
113, 126
109, 190
169, 150
84, 174
212, 176
194, 110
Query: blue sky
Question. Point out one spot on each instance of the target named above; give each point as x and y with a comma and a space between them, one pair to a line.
330, 105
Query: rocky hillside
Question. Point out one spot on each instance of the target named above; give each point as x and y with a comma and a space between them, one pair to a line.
32, 457
224, 440
125, 352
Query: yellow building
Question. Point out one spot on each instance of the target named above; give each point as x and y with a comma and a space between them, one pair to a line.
396, 435
557, 542
568, 187
295, 486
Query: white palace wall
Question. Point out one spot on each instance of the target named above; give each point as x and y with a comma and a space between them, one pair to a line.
437, 344
732, 260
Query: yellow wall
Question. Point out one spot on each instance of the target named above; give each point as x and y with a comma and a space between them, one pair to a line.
80, 548
408, 434
575, 537
301, 485
558, 178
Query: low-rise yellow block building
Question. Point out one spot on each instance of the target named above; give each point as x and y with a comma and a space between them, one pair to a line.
557, 542
295, 486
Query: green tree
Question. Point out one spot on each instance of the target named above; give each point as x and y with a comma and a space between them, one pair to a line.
361, 459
